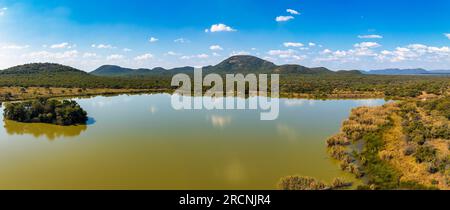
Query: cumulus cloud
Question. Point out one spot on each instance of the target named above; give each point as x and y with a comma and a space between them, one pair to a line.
63, 45
115, 57
127, 50
220, 28
283, 18
153, 39
293, 12
287, 54
234, 53
215, 47
172, 53
181, 40
312, 44
143, 57
370, 36
447, 35
293, 44
89, 55
47, 56
367, 45
102, 46
201, 56
415, 52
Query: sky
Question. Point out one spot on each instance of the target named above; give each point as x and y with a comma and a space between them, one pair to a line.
337, 34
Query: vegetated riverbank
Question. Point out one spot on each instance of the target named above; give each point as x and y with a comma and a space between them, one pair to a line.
400, 145
22, 93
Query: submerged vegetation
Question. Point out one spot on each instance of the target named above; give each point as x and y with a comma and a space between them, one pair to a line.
64, 112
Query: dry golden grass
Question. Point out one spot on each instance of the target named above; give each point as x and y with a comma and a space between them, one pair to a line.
410, 170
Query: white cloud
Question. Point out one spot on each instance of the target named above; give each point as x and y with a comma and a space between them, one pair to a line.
201, 56
367, 45
146, 56
63, 45
153, 39
181, 40
115, 57
220, 28
3, 11
293, 12
282, 52
102, 46
447, 35
46, 56
287, 54
127, 50
415, 52
370, 36
89, 55
283, 18
293, 44
312, 44
215, 47
234, 53
172, 53
15, 47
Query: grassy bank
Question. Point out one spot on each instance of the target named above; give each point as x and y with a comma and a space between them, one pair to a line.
396, 146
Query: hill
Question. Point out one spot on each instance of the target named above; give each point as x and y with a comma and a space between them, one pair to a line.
418, 71
236, 64
41, 68
112, 70
242, 64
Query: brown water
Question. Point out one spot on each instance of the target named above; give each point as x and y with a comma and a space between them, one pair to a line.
140, 142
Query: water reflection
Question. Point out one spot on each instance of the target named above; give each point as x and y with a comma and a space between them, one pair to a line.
220, 121
51, 132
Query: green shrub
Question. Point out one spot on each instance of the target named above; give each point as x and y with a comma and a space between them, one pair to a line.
46, 111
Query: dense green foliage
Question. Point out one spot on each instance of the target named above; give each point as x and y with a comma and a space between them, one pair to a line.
420, 132
46, 111
442, 106
379, 173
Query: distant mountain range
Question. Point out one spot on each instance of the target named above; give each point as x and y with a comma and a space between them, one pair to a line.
234, 64
418, 71
111, 70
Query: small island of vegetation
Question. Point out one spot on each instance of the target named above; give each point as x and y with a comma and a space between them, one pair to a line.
43, 110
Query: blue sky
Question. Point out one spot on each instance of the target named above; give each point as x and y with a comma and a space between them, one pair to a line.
338, 34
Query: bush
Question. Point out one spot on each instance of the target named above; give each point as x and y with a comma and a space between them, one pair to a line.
301, 183
46, 111
425, 154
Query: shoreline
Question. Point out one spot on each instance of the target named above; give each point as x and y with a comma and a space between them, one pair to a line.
8, 94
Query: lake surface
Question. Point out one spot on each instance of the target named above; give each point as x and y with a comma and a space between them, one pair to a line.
141, 142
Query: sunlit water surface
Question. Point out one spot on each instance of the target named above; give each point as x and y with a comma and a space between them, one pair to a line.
141, 142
